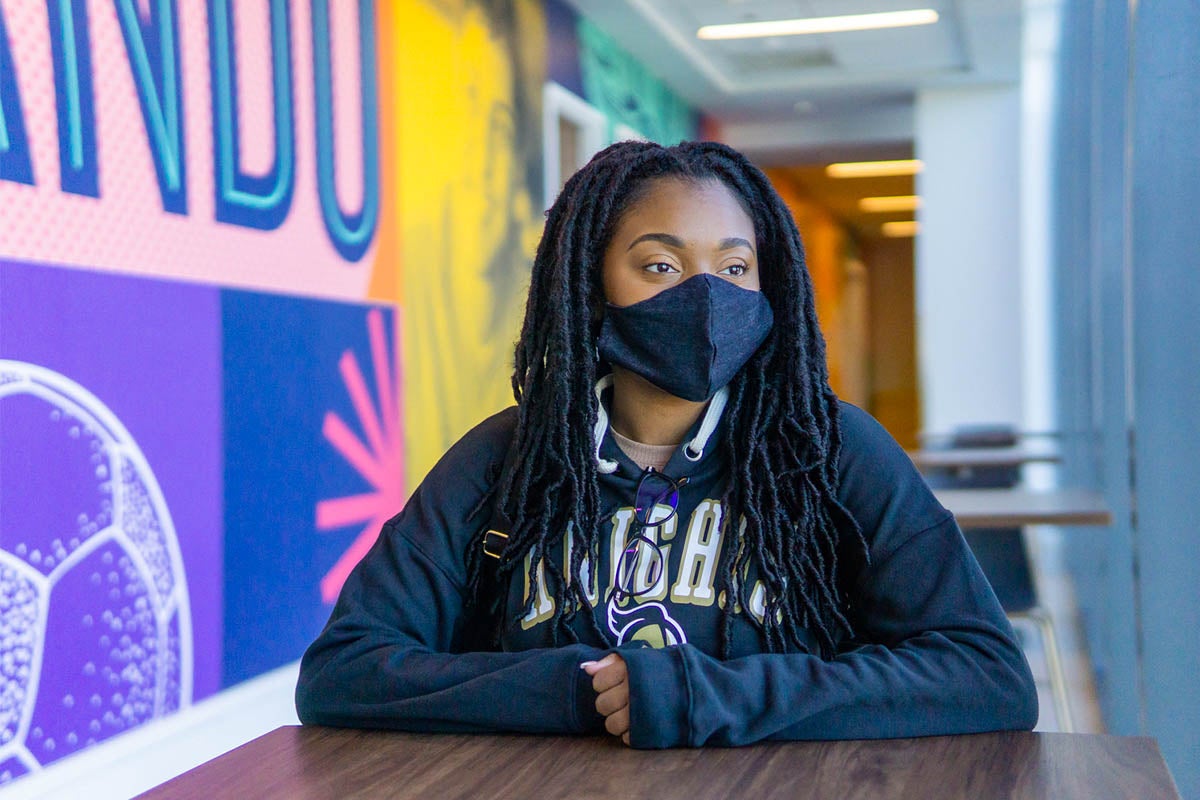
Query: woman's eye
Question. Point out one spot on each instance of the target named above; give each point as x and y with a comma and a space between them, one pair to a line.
660, 268
735, 270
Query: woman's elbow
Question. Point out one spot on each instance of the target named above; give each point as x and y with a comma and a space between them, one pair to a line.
1025, 703
1001, 694
316, 695
1016, 697
308, 702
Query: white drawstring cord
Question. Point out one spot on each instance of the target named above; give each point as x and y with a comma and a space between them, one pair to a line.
693, 450
598, 430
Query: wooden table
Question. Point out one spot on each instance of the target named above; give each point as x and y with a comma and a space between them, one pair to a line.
977, 457
295, 762
1012, 508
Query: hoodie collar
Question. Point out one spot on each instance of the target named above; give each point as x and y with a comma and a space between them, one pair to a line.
693, 449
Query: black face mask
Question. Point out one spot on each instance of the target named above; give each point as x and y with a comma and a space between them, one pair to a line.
689, 340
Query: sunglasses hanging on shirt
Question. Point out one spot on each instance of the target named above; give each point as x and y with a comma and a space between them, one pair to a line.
655, 490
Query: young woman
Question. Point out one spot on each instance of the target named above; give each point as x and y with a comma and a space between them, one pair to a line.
679, 534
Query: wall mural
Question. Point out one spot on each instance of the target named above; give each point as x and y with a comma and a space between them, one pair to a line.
199, 414
169, 144
469, 134
629, 95
209, 225
97, 631
311, 466
379, 461
110, 506
470, 186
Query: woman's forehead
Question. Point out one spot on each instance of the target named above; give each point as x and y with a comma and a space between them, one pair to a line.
705, 206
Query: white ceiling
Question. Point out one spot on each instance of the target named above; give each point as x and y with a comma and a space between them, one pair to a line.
815, 97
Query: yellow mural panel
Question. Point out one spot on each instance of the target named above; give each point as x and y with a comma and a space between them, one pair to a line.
464, 141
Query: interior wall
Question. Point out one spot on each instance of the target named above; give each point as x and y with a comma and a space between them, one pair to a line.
1163, 194
1092, 333
1127, 244
967, 260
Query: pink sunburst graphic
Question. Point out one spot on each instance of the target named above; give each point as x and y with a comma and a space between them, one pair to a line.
380, 461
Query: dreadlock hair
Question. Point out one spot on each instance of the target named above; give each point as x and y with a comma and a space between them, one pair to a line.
781, 426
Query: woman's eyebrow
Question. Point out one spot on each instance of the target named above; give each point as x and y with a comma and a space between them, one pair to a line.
665, 238
674, 241
735, 241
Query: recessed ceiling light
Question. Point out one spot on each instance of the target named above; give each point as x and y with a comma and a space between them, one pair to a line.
839, 24
901, 230
902, 202
874, 169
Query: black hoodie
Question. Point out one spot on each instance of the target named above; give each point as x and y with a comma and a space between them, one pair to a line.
932, 653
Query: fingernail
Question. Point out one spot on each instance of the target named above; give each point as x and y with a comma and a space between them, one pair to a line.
587, 664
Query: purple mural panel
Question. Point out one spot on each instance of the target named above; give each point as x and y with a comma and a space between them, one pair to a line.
20, 612
75, 467
110, 505
10, 769
101, 655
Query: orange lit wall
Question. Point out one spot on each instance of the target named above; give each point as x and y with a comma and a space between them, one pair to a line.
826, 247
894, 396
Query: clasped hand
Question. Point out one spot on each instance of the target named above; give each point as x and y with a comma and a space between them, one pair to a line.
610, 679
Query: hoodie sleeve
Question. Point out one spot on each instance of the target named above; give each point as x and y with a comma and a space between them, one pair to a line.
933, 651
388, 657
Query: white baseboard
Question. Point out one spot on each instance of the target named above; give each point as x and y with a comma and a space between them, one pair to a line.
141, 759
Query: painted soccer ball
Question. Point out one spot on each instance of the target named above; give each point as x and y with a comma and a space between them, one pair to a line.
95, 624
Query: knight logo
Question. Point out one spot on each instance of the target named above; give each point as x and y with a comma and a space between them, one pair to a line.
648, 622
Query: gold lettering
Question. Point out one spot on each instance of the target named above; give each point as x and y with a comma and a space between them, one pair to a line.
543, 604
621, 522
758, 601
701, 551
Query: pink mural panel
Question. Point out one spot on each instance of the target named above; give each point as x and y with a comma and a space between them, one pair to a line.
126, 228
